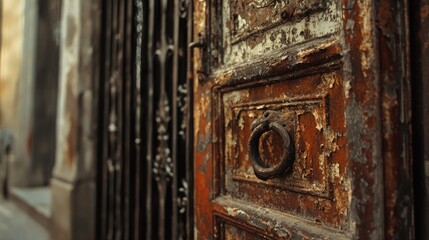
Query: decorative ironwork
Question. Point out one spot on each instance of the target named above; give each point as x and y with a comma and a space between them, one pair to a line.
182, 201
139, 36
115, 164
184, 8
113, 128
146, 179
182, 103
163, 165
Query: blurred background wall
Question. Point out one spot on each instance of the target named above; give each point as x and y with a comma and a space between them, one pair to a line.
10, 61
29, 85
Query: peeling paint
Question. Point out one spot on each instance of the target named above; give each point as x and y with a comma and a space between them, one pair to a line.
320, 68
204, 142
249, 39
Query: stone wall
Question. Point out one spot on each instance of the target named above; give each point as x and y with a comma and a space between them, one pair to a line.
11, 52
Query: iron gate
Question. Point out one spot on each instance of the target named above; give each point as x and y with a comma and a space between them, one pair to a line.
145, 168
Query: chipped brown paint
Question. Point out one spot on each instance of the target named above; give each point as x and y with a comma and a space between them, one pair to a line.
308, 126
328, 87
369, 122
203, 185
362, 119
394, 75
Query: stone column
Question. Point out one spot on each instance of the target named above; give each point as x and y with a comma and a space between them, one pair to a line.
20, 165
74, 176
45, 92
34, 123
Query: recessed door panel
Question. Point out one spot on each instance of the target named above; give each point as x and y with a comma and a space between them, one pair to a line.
255, 28
304, 107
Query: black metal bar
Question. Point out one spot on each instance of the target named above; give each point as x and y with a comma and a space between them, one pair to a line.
175, 130
139, 29
189, 121
110, 130
103, 150
128, 63
149, 121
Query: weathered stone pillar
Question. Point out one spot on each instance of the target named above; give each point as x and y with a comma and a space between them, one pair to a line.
73, 183
34, 126
45, 92
20, 165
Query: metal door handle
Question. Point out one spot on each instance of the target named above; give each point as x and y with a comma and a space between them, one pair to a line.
202, 45
269, 121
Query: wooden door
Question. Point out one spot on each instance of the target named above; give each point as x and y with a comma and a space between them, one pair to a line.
301, 120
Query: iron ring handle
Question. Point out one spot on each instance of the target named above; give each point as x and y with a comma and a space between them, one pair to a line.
260, 169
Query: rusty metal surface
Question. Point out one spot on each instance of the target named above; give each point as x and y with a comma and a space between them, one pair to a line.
341, 93
271, 125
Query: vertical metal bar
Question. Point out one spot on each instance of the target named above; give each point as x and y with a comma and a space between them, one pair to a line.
161, 54
175, 73
138, 110
127, 66
119, 116
105, 93
149, 121
189, 121
112, 128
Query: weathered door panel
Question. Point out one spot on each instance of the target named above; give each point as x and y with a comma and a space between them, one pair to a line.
304, 71
317, 134
258, 28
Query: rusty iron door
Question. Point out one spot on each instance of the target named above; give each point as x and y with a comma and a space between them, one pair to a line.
302, 120
145, 124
